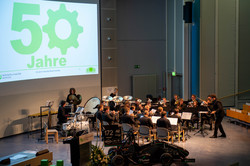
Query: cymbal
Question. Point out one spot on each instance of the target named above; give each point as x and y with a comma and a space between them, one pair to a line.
107, 98
117, 99
127, 97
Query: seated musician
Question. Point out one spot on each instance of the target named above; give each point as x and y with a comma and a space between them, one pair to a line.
146, 108
62, 118
138, 115
127, 118
163, 121
137, 104
145, 120
193, 101
175, 101
158, 111
107, 117
195, 116
208, 117
163, 102
177, 115
181, 106
148, 103
132, 108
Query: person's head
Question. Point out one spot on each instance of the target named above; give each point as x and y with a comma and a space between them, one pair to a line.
127, 104
213, 97
146, 113
209, 99
164, 100
163, 114
72, 91
193, 97
176, 111
137, 101
132, 107
62, 103
126, 110
146, 107
195, 103
115, 90
106, 109
101, 107
160, 109
181, 101
176, 97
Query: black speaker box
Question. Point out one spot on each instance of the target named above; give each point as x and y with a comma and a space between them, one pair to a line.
187, 12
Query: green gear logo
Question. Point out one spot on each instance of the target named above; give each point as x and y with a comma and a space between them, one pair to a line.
76, 29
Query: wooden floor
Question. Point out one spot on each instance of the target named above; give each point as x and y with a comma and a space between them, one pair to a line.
207, 152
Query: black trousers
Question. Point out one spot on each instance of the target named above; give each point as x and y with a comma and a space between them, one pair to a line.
218, 125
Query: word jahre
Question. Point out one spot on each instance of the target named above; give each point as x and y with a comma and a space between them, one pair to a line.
46, 62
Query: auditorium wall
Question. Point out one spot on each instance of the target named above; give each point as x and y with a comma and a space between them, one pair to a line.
22, 98
224, 50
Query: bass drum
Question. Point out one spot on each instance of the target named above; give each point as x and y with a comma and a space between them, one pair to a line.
90, 105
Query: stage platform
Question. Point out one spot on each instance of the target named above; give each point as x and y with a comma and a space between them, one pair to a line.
220, 151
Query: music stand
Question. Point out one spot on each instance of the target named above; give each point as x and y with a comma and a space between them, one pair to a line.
41, 120
187, 116
202, 129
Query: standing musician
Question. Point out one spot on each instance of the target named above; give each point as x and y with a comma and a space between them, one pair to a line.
112, 103
74, 99
219, 114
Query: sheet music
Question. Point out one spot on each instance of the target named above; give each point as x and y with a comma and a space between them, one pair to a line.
173, 121
186, 115
155, 118
153, 111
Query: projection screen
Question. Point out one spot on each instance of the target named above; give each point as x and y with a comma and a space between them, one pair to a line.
46, 47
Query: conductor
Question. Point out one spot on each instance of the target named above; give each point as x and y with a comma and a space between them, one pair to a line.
218, 110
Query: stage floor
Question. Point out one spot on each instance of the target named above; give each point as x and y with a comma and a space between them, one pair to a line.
220, 151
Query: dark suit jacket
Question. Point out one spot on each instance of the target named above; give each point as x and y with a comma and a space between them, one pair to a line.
163, 122
99, 115
146, 121
217, 106
61, 115
106, 117
127, 119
